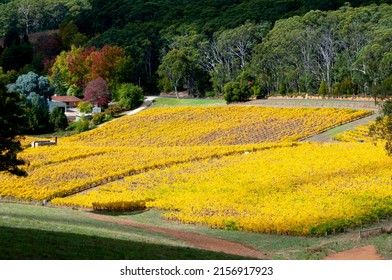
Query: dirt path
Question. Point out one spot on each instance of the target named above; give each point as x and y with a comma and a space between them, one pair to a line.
359, 253
327, 135
194, 239
147, 103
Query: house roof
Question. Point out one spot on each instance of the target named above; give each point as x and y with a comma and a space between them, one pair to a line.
66, 98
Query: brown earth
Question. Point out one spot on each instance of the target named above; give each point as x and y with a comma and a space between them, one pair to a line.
359, 253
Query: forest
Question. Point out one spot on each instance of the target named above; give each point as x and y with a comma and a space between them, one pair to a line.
208, 48
121, 50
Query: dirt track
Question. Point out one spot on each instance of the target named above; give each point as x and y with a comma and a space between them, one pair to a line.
359, 253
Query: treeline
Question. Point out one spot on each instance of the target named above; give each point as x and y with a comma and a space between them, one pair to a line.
342, 52
28, 16
249, 47
203, 35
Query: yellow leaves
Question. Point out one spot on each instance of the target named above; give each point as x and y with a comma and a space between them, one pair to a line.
358, 134
223, 125
307, 189
70, 168
217, 166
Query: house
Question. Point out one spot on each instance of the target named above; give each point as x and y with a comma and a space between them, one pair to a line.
71, 101
53, 104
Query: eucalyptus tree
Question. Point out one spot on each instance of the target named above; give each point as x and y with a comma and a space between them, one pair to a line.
230, 51
174, 68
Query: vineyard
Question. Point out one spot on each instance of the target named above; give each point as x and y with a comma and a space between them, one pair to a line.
306, 189
221, 125
230, 167
359, 134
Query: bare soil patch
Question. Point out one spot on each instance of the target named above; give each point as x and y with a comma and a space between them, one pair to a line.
359, 253
194, 239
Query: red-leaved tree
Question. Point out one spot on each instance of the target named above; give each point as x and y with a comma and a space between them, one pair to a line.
97, 92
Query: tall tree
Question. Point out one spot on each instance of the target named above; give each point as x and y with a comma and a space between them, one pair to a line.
36, 91
32, 83
11, 123
174, 68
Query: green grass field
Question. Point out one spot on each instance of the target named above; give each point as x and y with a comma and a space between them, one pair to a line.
174, 102
33, 232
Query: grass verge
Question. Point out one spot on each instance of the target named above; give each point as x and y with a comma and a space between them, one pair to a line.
31, 232
174, 102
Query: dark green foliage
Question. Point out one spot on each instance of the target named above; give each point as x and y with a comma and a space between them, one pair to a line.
37, 113
236, 92
70, 35
384, 90
282, 89
347, 87
57, 119
139, 25
38, 15
323, 89
130, 96
11, 124
17, 55
386, 108
11, 38
36, 91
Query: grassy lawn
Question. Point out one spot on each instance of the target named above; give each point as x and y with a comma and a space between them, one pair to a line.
32, 232
173, 102
278, 246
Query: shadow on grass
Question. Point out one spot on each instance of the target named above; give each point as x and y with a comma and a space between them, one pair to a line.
32, 244
119, 213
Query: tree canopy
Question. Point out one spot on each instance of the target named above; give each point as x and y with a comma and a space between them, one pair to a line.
11, 124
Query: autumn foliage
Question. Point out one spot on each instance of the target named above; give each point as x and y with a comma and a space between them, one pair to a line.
97, 92
80, 65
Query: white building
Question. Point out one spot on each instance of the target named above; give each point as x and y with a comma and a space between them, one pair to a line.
53, 104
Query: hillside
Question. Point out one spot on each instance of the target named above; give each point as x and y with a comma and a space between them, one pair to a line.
206, 16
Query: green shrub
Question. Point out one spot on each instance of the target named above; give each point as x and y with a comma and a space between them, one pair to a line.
259, 91
386, 108
98, 118
114, 110
83, 124
209, 94
85, 107
323, 89
235, 92
336, 89
130, 96
57, 119
347, 87
120, 206
282, 89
